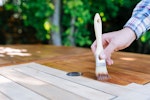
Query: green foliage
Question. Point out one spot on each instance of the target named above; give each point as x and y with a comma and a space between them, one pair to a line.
144, 43
33, 16
145, 37
84, 10
78, 10
34, 13
107, 8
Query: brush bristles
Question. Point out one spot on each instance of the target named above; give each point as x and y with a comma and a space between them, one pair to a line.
103, 77
102, 73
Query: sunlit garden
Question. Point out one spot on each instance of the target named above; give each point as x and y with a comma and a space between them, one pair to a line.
64, 22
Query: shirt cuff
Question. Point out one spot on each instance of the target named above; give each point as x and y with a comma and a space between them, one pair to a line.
135, 25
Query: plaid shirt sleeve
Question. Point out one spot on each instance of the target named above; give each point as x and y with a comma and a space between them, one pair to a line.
140, 19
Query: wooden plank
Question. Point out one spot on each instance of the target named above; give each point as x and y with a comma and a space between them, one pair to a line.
132, 61
129, 75
73, 87
81, 59
39, 52
43, 88
139, 88
4, 97
147, 85
83, 63
42, 75
4, 61
113, 89
121, 76
133, 96
16, 91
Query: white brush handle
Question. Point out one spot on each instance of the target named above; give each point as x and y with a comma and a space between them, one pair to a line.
98, 34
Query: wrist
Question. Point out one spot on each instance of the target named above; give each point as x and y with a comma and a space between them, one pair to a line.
130, 32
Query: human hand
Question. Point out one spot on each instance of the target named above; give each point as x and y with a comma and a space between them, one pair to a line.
114, 41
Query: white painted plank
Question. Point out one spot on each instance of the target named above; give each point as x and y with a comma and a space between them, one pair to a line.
139, 88
16, 91
147, 85
47, 90
75, 88
133, 96
113, 89
4, 97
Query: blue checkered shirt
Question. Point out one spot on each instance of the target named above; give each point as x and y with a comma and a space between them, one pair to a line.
140, 19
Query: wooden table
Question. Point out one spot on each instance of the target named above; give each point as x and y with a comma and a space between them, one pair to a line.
130, 74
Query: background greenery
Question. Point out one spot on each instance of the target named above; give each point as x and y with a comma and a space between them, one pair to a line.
30, 21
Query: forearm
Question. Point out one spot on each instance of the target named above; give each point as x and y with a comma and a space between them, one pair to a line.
140, 20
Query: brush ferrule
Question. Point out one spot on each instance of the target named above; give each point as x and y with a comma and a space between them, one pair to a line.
100, 63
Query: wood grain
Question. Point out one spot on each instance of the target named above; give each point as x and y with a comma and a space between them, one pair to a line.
49, 86
84, 63
12, 90
33, 81
46, 90
4, 97
127, 68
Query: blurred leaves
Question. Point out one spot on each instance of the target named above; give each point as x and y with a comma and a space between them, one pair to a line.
32, 17
78, 10
145, 37
34, 14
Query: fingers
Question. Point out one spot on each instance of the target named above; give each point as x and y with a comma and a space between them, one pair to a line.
111, 47
114, 41
109, 61
93, 47
106, 54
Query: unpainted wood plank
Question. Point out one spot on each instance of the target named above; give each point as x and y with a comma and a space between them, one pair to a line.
113, 89
16, 91
101, 86
139, 88
133, 96
147, 85
72, 86
43, 88
4, 97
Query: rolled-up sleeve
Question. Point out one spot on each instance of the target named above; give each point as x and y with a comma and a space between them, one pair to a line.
140, 19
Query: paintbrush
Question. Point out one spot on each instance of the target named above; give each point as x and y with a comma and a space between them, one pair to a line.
101, 68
